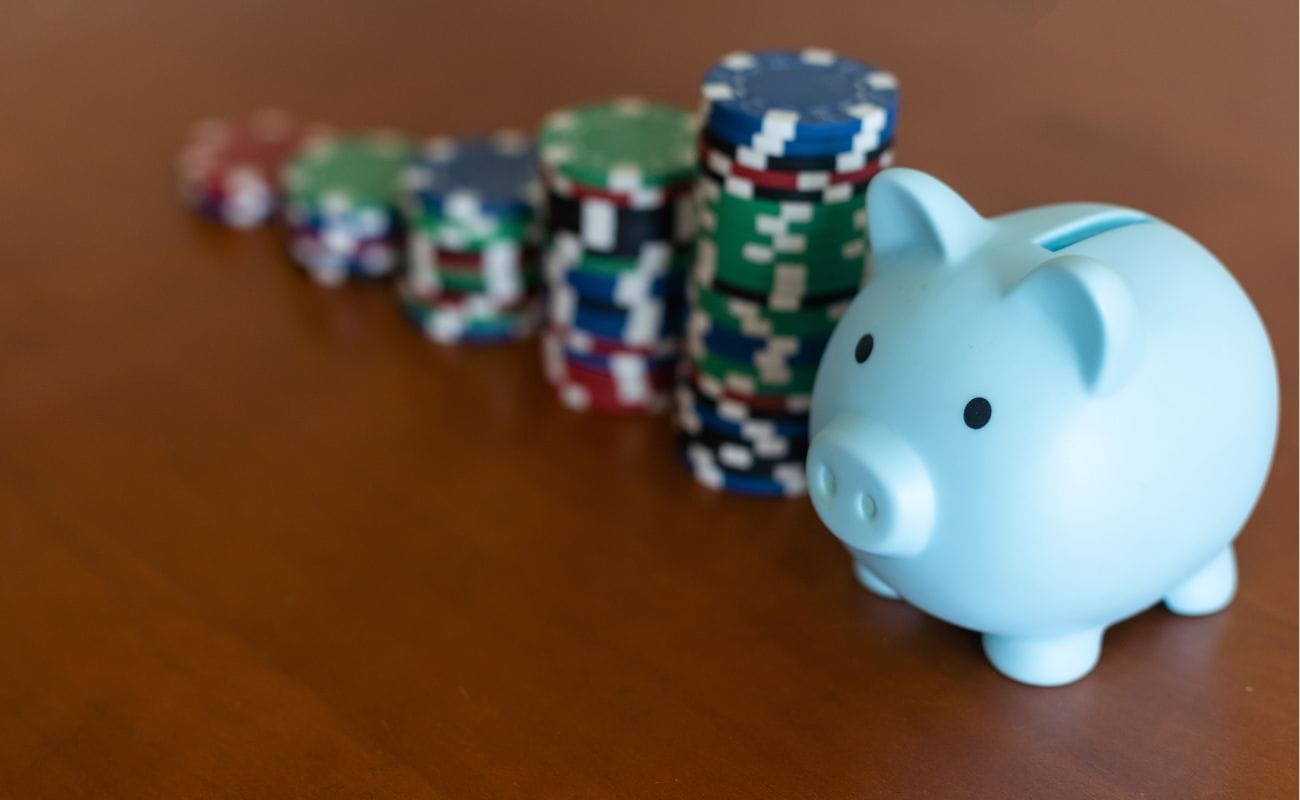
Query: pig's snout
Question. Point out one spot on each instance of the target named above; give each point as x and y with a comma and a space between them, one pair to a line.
870, 488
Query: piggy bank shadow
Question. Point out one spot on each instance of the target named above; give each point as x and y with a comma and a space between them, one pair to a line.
1147, 648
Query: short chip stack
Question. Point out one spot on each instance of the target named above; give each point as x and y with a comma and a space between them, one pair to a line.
789, 142
342, 197
620, 228
472, 269
229, 170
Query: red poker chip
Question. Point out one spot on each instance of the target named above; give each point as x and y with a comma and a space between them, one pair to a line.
234, 166
586, 397
462, 300
582, 389
651, 197
580, 398
530, 276
658, 380
472, 261
207, 185
725, 166
641, 389
218, 151
588, 344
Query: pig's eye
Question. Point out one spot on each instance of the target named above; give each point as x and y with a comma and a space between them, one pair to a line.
863, 351
977, 413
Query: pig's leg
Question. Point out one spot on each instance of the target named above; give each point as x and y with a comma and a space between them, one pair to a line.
873, 583
1209, 589
1046, 660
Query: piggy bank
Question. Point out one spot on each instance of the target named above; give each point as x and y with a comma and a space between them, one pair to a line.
1038, 424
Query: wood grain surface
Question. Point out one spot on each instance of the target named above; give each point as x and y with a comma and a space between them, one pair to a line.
257, 539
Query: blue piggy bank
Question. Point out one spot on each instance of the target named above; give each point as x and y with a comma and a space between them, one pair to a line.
1039, 424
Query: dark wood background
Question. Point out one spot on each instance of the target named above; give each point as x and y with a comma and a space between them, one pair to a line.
258, 539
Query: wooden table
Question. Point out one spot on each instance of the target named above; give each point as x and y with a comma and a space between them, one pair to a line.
258, 539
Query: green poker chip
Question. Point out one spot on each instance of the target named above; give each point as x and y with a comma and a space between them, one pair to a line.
565, 251
472, 282
815, 275
614, 266
819, 222
621, 145
790, 253
337, 174
474, 321
457, 234
752, 380
756, 319
477, 323
740, 235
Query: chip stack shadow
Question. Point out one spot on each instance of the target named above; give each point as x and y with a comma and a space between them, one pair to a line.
472, 247
789, 142
620, 234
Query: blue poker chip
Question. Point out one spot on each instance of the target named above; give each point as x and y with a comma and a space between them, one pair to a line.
611, 323
746, 431
734, 412
475, 177
796, 94
866, 138
332, 258
505, 328
490, 338
691, 404
746, 156
210, 207
809, 147
625, 290
756, 487
486, 336
360, 223
793, 351
604, 363
349, 270
641, 324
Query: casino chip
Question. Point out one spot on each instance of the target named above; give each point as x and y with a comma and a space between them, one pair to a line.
474, 178
790, 142
802, 96
468, 319
625, 145
473, 265
342, 197
620, 229
229, 170
711, 469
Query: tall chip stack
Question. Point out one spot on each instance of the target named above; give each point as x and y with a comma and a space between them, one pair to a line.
620, 229
342, 206
472, 268
789, 141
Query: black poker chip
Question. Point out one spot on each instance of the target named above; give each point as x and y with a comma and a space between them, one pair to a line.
748, 190
611, 230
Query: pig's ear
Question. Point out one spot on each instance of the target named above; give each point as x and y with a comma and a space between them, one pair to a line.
1095, 310
908, 212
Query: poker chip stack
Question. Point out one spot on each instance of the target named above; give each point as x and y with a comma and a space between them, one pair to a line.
620, 229
472, 268
228, 170
788, 144
342, 196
